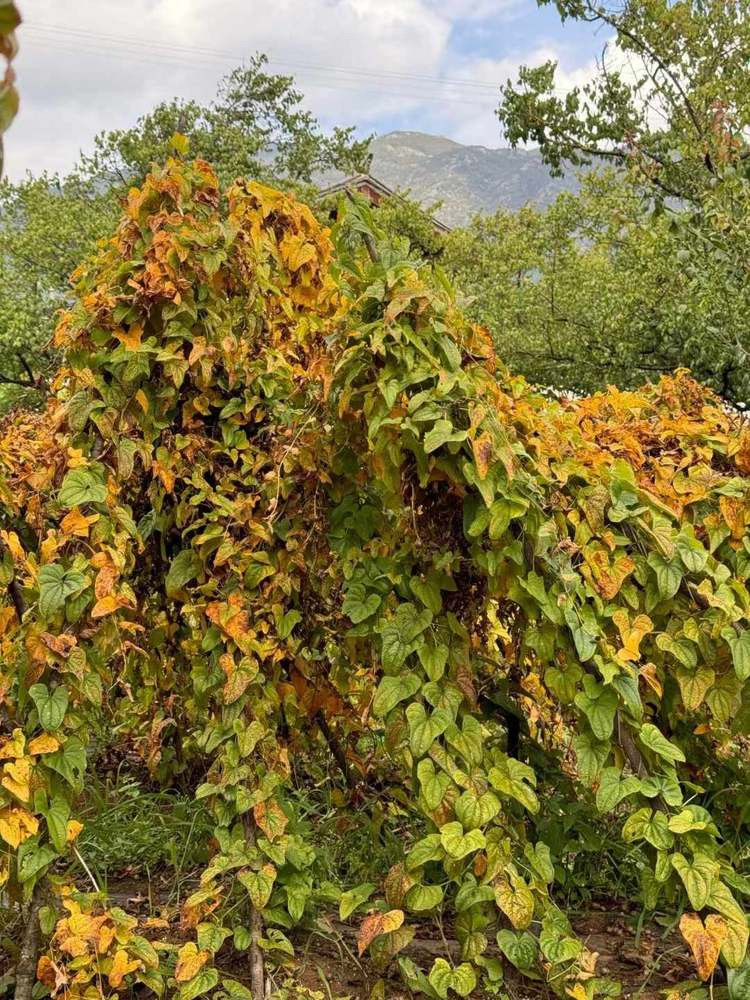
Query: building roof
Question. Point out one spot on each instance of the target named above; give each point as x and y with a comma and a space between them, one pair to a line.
358, 182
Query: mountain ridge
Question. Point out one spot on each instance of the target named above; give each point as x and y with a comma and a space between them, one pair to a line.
467, 179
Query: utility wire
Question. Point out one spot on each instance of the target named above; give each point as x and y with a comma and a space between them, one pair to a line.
223, 54
166, 59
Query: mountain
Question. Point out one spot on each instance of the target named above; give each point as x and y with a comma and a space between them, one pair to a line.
466, 179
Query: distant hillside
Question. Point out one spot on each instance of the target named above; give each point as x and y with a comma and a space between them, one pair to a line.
467, 179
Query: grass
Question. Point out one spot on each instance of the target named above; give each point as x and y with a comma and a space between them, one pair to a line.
130, 832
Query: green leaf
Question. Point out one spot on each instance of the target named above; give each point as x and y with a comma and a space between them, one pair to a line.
645, 824
429, 848
521, 950
32, 859
474, 811
540, 859
555, 939
424, 897
355, 897
694, 556
70, 762
185, 566
393, 690
668, 575
202, 983
457, 843
57, 816
428, 593
652, 738
692, 817
235, 990
739, 643
399, 634
51, 705
433, 658
259, 884
510, 777
424, 729
56, 585
358, 604
82, 486
584, 637
613, 788
241, 938
443, 978
591, 756
287, 622
441, 433
143, 949
599, 704
739, 982
211, 936
434, 784
698, 876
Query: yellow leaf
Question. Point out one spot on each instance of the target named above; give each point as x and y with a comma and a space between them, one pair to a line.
105, 938
77, 524
16, 778
189, 962
482, 447
46, 743
651, 677
704, 941
631, 634
377, 924
142, 399
105, 606
122, 964
74, 828
130, 338
514, 898
271, 818
14, 746
17, 825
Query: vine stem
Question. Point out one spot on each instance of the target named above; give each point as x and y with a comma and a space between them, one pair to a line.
257, 969
27, 957
86, 869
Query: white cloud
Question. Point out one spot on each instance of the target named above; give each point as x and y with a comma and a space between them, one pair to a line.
87, 65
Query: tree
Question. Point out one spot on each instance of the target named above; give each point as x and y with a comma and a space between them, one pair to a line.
48, 225
670, 101
589, 292
650, 276
256, 127
278, 481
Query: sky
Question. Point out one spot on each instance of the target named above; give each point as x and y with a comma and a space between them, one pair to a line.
428, 65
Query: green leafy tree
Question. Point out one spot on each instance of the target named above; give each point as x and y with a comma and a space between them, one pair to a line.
643, 273
255, 127
670, 100
583, 294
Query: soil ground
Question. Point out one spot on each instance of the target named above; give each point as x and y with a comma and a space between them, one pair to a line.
649, 965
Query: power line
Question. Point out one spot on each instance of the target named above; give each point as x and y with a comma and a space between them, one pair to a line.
223, 54
107, 49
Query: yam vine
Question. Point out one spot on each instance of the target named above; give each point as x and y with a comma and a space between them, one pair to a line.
281, 481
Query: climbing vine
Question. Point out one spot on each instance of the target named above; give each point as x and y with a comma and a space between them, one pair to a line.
282, 490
